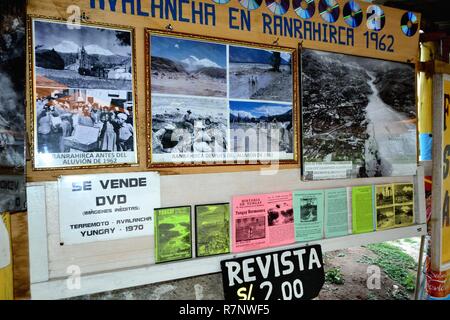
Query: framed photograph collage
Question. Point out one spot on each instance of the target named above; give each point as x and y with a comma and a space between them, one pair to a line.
216, 102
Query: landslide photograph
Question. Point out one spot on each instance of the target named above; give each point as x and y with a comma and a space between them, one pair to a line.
360, 110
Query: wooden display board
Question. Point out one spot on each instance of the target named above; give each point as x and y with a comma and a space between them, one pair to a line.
125, 263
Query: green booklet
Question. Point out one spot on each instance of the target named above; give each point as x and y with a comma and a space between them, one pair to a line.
308, 214
336, 213
173, 238
362, 209
212, 225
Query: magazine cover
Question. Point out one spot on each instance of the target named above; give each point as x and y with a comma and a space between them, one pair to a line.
212, 223
336, 213
173, 240
362, 209
261, 221
308, 215
404, 204
384, 205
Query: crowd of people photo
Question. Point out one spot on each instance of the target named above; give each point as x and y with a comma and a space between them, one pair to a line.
67, 125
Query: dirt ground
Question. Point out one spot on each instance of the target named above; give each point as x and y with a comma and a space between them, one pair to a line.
355, 275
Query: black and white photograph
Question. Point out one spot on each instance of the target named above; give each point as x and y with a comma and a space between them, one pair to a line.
385, 218
267, 127
280, 214
12, 78
404, 193
252, 228
186, 126
86, 57
258, 74
84, 109
360, 111
188, 67
74, 121
384, 195
308, 210
404, 214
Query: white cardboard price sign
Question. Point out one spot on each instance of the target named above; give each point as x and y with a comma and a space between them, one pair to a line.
107, 206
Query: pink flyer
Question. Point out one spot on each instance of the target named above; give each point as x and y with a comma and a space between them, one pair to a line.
261, 221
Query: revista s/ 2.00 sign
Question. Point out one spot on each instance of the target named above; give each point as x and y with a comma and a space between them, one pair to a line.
295, 274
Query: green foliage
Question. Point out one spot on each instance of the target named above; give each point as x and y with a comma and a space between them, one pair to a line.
365, 259
371, 296
334, 276
398, 265
399, 295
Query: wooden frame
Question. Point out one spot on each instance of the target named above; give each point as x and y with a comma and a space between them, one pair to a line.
207, 39
32, 91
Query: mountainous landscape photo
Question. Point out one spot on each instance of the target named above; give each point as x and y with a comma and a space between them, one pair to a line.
360, 110
261, 127
89, 57
188, 67
259, 74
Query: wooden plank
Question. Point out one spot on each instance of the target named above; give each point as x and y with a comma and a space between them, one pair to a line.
427, 167
21, 259
6, 273
99, 256
404, 47
438, 132
419, 203
37, 232
441, 67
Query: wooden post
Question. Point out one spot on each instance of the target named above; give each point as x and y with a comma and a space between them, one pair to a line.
425, 101
6, 273
418, 288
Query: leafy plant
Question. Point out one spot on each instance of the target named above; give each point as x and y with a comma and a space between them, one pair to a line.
334, 276
398, 265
